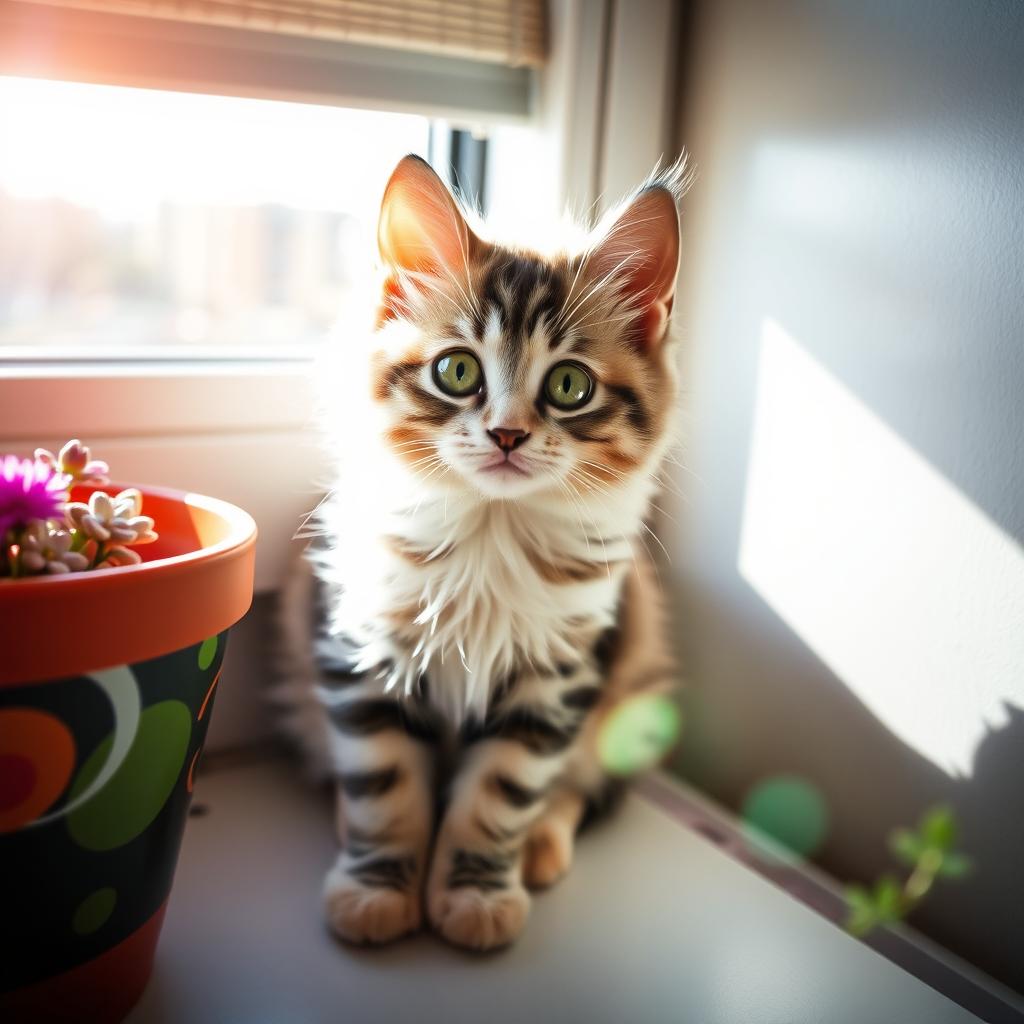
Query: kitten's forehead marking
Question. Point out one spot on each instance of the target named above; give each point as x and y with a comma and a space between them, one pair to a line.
464, 328
492, 327
521, 296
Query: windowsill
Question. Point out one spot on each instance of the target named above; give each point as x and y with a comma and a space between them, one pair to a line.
653, 924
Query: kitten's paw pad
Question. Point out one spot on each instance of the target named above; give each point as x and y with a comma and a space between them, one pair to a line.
547, 857
479, 920
360, 914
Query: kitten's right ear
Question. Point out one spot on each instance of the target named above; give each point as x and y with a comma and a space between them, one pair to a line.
421, 228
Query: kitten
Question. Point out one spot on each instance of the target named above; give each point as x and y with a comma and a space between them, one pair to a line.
485, 595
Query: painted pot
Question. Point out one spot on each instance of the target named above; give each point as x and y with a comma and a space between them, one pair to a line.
107, 685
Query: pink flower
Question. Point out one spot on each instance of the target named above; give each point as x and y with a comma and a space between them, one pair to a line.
75, 462
29, 490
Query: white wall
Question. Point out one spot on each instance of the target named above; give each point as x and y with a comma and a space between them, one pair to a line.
848, 564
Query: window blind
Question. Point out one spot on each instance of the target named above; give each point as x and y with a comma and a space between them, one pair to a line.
470, 61
509, 32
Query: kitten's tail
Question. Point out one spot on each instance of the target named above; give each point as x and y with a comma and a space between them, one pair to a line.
300, 714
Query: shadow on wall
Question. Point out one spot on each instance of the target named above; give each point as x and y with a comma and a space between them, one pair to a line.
849, 579
910, 599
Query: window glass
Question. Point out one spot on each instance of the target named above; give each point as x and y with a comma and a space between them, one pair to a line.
132, 217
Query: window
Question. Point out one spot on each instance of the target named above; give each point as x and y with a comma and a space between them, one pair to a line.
132, 217
178, 230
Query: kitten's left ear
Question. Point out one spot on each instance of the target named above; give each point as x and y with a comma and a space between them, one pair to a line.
640, 252
421, 227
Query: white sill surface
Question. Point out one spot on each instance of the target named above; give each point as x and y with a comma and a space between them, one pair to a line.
653, 924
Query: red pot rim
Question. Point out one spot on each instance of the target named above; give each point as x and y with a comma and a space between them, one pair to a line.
199, 584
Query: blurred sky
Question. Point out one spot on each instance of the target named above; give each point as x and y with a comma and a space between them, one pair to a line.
120, 151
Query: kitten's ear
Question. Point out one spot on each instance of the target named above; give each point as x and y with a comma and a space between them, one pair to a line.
640, 254
421, 228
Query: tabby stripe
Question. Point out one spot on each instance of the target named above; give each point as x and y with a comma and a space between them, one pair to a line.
537, 733
495, 834
545, 303
336, 658
480, 870
474, 860
431, 409
394, 377
606, 648
515, 794
332, 681
364, 717
602, 803
636, 413
581, 426
583, 698
366, 784
520, 278
384, 872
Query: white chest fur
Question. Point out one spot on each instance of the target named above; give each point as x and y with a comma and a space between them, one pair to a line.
456, 593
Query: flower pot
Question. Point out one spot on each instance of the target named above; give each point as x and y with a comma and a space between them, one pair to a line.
107, 683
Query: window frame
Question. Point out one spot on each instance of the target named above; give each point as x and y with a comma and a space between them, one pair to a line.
168, 418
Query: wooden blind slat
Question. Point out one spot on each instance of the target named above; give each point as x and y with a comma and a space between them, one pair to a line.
511, 32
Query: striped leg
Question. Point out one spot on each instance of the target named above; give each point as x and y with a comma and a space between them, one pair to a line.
475, 893
385, 803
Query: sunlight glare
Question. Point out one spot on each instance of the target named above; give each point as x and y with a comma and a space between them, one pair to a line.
906, 590
118, 150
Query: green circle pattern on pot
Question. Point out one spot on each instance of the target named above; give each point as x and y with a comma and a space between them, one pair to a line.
207, 652
94, 911
127, 804
99, 727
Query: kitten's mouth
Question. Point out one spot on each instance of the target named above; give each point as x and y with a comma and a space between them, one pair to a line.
508, 465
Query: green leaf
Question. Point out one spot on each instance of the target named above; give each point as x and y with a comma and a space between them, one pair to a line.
888, 899
906, 846
861, 921
930, 860
858, 898
938, 827
955, 865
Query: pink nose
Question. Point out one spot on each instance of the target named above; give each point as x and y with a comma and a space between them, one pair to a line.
508, 439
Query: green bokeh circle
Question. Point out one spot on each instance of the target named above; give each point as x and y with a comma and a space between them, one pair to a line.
637, 734
207, 652
138, 790
93, 911
790, 810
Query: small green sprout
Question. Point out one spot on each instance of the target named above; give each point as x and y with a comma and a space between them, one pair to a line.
928, 852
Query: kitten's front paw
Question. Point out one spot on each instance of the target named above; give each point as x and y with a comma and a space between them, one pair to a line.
547, 856
361, 914
475, 919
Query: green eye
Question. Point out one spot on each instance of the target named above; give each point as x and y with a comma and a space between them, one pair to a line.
569, 386
458, 374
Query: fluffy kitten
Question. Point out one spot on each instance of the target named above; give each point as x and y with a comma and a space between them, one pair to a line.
483, 585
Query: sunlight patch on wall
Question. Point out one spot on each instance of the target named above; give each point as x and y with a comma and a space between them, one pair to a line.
902, 586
